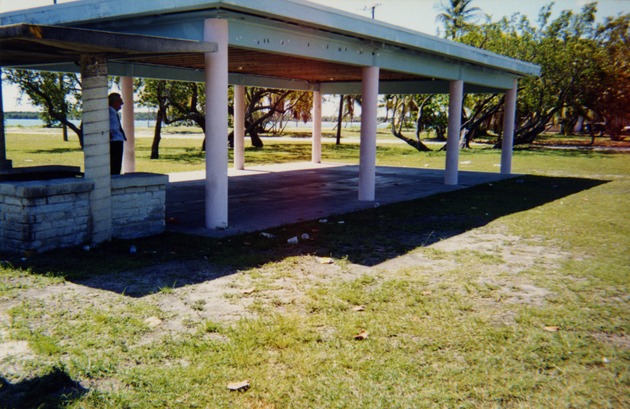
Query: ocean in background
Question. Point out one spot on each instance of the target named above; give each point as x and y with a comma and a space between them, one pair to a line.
40, 123
151, 124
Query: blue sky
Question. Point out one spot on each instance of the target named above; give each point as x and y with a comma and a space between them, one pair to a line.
418, 15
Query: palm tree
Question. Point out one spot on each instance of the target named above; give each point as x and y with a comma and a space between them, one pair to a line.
455, 16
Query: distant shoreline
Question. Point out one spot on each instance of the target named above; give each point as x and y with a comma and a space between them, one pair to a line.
35, 115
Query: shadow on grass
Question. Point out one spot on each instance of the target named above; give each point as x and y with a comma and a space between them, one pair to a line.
366, 237
53, 390
56, 150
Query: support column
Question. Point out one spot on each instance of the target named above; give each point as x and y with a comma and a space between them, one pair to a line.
4, 163
367, 148
316, 147
456, 95
509, 118
96, 144
216, 30
239, 127
128, 124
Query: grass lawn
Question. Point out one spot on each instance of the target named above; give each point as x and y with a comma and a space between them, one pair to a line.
507, 295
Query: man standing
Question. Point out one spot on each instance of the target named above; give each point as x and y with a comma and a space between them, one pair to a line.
116, 133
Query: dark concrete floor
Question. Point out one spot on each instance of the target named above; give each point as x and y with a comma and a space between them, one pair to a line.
269, 196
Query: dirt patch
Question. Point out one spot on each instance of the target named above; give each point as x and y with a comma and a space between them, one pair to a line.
188, 294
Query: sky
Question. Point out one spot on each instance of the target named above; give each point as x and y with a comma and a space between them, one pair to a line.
418, 15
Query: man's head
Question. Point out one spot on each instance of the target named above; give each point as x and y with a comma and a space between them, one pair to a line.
115, 101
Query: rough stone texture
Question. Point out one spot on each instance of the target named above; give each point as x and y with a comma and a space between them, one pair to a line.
138, 205
38, 216
44, 215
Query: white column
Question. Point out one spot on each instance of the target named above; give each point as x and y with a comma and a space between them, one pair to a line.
367, 149
4, 163
509, 119
239, 127
216, 30
128, 124
96, 144
456, 95
316, 147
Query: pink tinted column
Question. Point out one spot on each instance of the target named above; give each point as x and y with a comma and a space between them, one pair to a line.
456, 94
216, 75
316, 148
128, 124
239, 127
508, 130
367, 151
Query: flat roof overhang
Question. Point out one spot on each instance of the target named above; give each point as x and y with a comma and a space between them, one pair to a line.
34, 44
270, 47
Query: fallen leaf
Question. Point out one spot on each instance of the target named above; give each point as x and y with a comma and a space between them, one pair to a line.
359, 308
551, 329
325, 260
361, 335
238, 386
248, 291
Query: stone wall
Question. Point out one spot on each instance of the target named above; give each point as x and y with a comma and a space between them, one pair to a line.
138, 205
42, 215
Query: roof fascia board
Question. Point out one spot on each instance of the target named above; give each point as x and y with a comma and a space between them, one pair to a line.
91, 11
253, 34
341, 22
98, 41
319, 17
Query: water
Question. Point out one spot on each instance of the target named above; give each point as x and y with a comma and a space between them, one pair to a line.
40, 123
151, 124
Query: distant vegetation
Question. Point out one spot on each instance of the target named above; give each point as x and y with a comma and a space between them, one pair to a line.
21, 115
140, 116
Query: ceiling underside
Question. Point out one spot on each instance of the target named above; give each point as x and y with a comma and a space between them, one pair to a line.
249, 62
28, 45
54, 48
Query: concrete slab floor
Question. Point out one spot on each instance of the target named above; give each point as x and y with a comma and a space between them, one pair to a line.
268, 196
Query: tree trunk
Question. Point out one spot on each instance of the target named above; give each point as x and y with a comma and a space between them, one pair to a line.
157, 135
339, 119
256, 141
411, 142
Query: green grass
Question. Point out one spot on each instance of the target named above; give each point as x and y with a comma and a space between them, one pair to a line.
451, 327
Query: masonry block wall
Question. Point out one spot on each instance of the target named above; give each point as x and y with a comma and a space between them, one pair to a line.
43, 215
138, 205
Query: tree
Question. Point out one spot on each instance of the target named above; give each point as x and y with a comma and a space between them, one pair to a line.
346, 109
175, 101
608, 91
402, 106
58, 95
569, 57
265, 106
456, 15
267, 110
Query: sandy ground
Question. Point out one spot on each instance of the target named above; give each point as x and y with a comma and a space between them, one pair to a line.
222, 296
